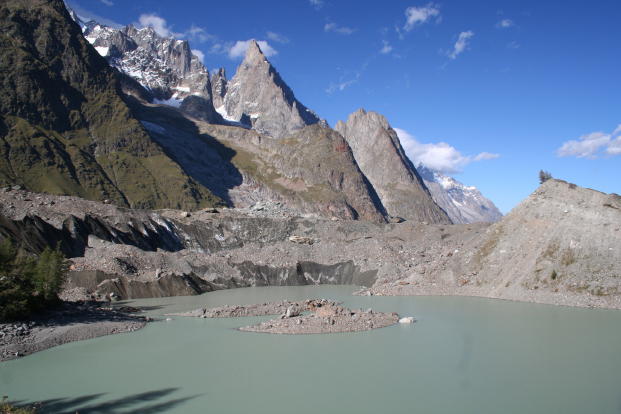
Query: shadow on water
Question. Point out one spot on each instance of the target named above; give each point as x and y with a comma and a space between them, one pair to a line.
144, 308
146, 402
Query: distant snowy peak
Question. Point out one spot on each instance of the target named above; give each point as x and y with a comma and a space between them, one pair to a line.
463, 204
165, 66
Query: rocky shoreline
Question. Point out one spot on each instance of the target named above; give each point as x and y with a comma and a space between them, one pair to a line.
69, 323
311, 316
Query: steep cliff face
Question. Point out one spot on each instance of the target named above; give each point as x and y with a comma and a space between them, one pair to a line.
381, 158
218, 87
463, 204
64, 126
312, 171
165, 67
258, 97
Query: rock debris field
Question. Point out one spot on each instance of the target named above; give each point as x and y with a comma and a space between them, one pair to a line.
311, 316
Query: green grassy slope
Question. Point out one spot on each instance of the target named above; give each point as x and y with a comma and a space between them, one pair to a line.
64, 126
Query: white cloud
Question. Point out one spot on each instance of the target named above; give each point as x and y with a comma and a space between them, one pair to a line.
419, 15
347, 79
505, 24
614, 148
341, 86
333, 27
318, 4
157, 23
485, 156
593, 145
107, 2
241, 46
200, 55
439, 156
198, 34
587, 146
278, 38
220, 48
387, 48
461, 44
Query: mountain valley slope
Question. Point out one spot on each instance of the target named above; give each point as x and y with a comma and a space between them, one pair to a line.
64, 124
255, 98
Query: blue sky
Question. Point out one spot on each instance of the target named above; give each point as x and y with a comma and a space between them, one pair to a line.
489, 91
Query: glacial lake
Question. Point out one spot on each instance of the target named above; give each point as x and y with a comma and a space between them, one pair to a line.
464, 355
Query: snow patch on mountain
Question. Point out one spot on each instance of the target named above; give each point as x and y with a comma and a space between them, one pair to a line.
173, 101
463, 204
103, 51
164, 66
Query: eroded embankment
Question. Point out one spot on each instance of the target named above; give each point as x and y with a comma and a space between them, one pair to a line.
561, 246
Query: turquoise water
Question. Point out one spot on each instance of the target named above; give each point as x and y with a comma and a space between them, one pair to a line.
464, 355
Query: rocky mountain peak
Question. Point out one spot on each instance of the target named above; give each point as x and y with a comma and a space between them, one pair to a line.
254, 54
381, 158
369, 117
258, 97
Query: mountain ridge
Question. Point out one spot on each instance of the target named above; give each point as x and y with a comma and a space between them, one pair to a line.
66, 127
293, 156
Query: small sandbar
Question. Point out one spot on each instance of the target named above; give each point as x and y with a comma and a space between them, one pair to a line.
260, 309
311, 316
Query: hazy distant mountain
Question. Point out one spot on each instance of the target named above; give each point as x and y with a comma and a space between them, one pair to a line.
463, 204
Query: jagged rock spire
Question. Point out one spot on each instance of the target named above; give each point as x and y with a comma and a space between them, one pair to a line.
258, 95
254, 54
218, 87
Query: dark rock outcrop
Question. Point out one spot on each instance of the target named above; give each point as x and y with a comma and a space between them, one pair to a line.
218, 87
200, 108
34, 234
